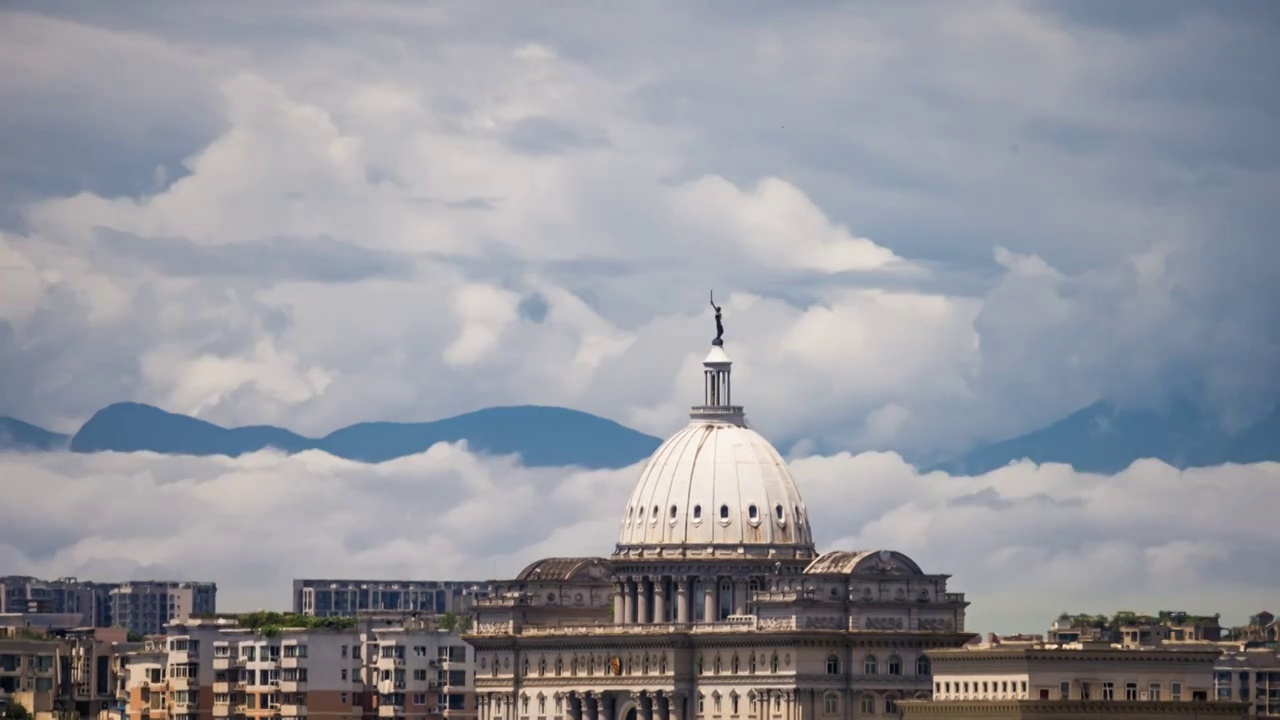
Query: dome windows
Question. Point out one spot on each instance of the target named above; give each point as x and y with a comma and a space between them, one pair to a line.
654, 517
753, 514
697, 513
673, 514
724, 514
780, 514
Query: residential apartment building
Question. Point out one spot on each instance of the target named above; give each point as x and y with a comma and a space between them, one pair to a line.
1081, 680
209, 669
418, 672
141, 607
32, 673
1250, 675
348, 598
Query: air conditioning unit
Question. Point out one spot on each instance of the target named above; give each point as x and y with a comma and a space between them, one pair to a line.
437, 709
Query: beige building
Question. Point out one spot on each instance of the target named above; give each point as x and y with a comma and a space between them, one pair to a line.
31, 673
715, 602
418, 672
212, 669
1079, 681
1250, 675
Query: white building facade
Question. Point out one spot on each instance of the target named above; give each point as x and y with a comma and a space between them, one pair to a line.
715, 602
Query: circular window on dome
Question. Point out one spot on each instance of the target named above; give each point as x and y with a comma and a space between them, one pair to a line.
753, 514
697, 514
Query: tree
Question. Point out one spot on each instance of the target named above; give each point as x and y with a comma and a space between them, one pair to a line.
448, 621
16, 711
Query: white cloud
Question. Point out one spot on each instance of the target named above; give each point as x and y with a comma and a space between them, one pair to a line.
1018, 541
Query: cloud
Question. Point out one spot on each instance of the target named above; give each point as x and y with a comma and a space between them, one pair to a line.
384, 212
1017, 540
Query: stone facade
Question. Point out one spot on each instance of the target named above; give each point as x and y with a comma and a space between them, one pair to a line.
714, 603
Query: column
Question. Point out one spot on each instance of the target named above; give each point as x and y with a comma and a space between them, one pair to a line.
619, 607
664, 705
628, 601
740, 596
597, 707
660, 600
709, 613
575, 706
682, 600
642, 602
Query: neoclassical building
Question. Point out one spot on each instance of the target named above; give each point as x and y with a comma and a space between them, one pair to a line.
715, 603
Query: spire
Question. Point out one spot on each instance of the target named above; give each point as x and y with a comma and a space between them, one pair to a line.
717, 404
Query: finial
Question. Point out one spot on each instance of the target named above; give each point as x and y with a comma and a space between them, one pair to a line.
719, 339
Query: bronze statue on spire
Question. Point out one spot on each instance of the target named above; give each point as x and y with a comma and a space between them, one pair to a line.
719, 341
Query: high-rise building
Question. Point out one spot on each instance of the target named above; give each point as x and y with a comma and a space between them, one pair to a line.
349, 598
142, 607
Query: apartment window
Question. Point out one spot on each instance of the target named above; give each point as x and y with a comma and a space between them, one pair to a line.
1086, 691
419, 698
1004, 687
1044, 693
867, 705
343, 699
419, 674
1064, 690
870, 666
831, 703
922, 665
1131, 691
1175, 691
833, 665
890, 706
344, 652
1108, 691
1153, 692
1024, 687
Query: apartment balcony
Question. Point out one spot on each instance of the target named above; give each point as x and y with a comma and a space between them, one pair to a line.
182, 657
222, 711
386, 687
293, 662
293, 686
390, 711
293, 711
181, 683
220, 688
224, 662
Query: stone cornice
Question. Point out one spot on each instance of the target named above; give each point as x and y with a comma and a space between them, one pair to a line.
1071, 708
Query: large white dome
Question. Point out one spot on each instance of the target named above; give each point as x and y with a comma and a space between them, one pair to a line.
716, 488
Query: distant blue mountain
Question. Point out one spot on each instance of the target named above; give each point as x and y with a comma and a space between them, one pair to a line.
542, 436
20, 436
1106, 439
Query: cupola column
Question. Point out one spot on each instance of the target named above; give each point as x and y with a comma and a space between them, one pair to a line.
682, 600
628, 601
660, 599
709, 600
619, 602
642, 602
739, 597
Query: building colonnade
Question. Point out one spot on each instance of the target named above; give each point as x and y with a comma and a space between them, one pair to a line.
649, 599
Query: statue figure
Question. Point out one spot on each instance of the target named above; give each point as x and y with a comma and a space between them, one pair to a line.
719, 341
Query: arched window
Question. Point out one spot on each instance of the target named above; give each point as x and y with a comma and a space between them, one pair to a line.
733, 702
524, 703
701, 666
716, 666
673, 512
702, 703
891, 705
831, 703
777, 511
870, 666
697, 513
922, 666
833, 665
559, 667
542, 704
753, 514
751, 664
734, 664
591, 665
644, 665
895, 665
662, 663
724, 512
524, 667
867, 704
542, 666
773, 663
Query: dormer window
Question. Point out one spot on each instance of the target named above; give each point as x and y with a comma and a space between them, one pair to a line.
673, 512
724, 513
753, 514
779, 513
697, 513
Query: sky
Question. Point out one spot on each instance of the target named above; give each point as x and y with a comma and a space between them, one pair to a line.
929, 224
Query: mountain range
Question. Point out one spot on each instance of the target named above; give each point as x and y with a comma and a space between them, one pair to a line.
1102, 437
